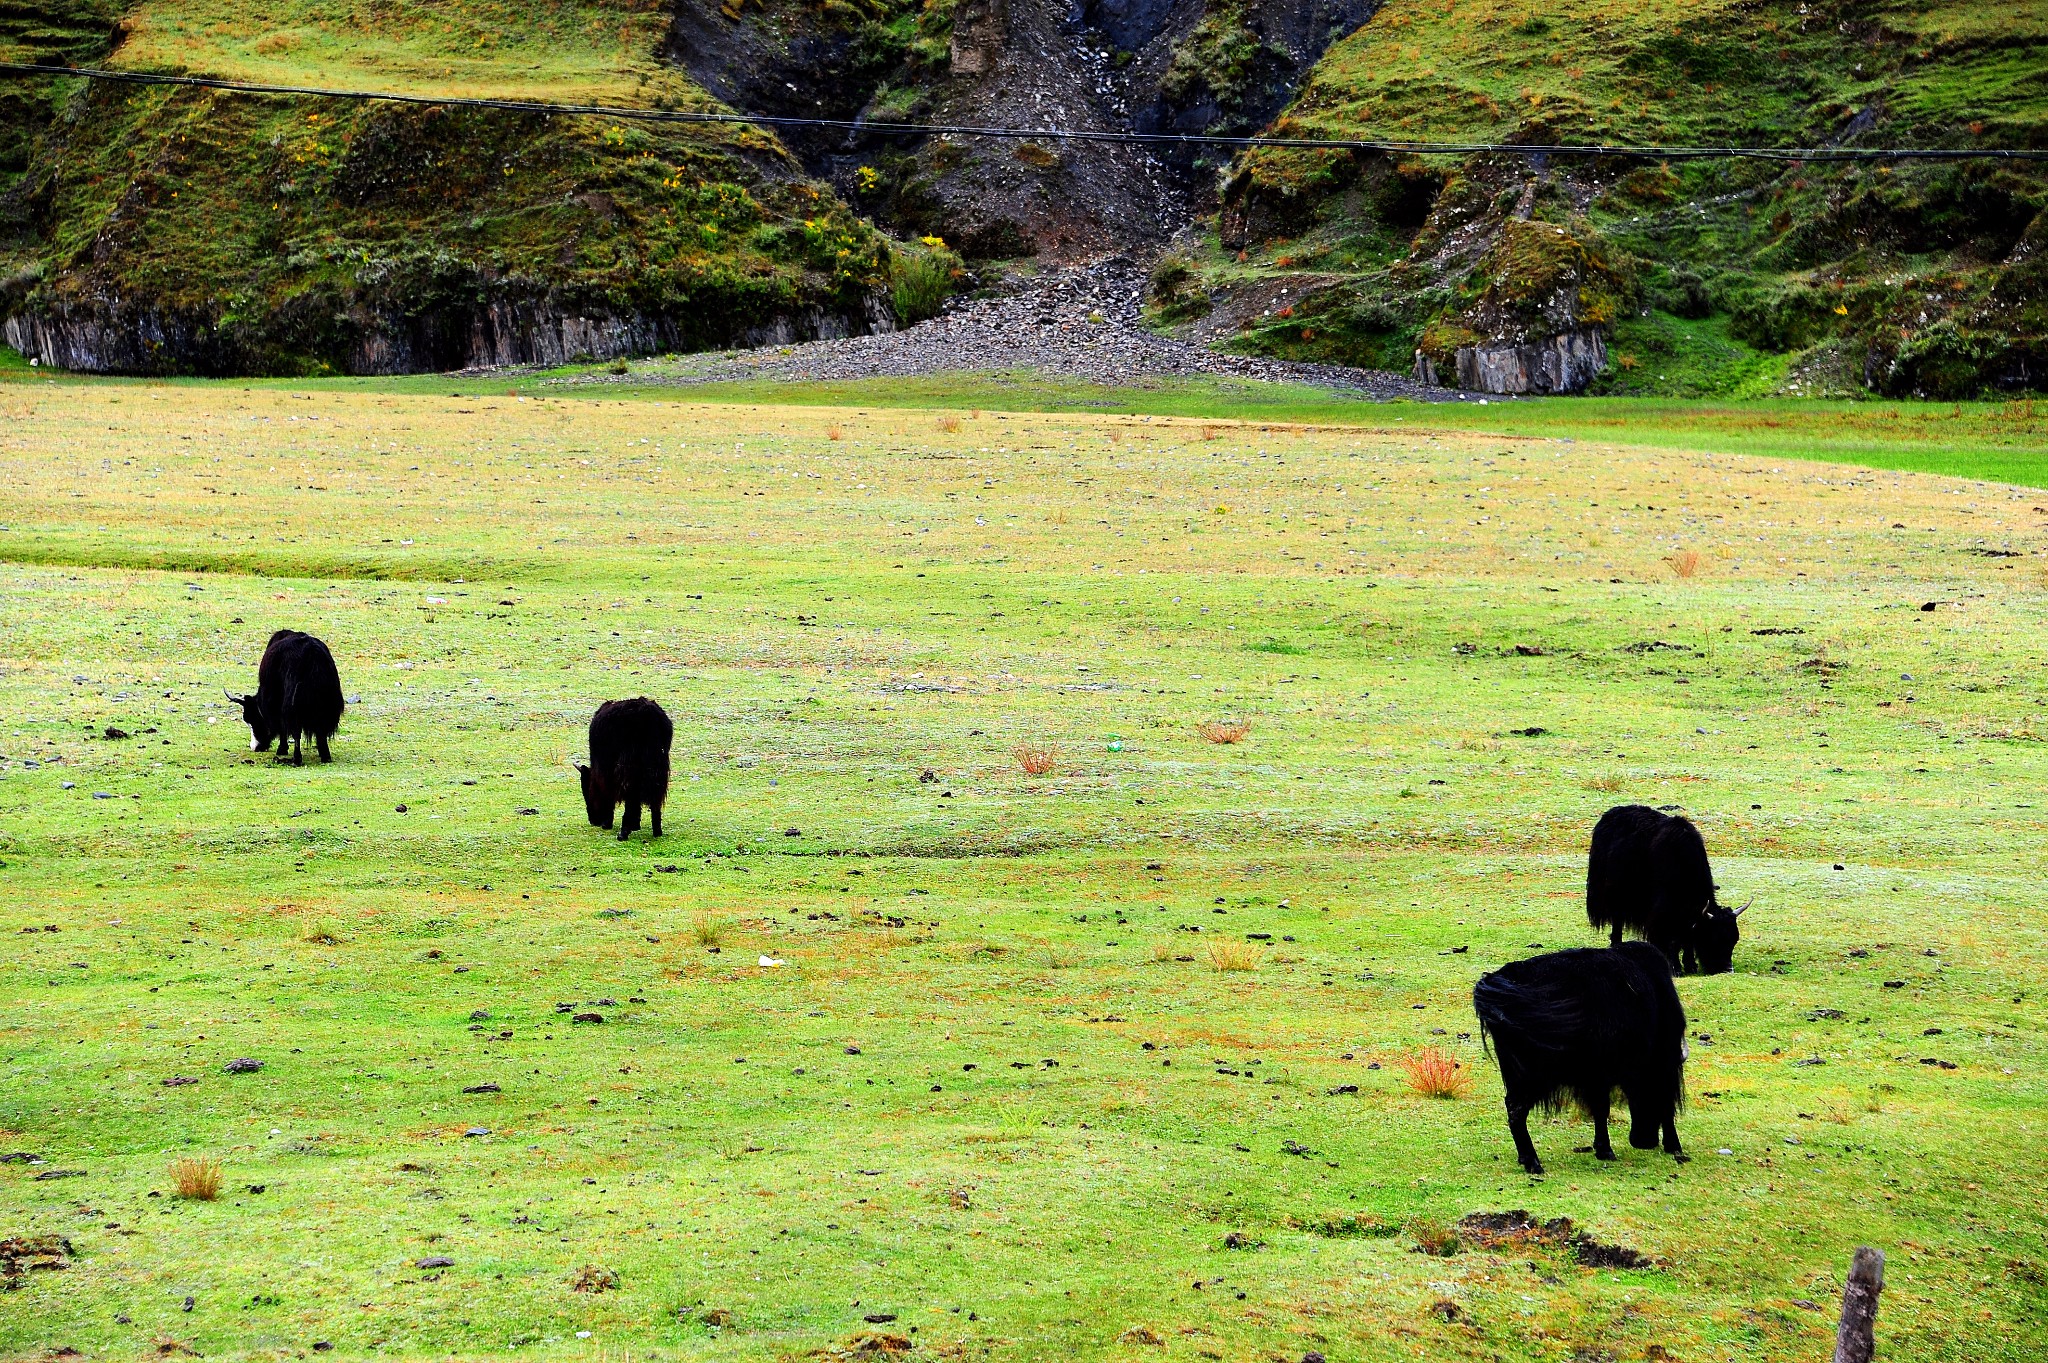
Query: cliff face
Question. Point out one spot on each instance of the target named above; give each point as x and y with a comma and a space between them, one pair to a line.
1108, 65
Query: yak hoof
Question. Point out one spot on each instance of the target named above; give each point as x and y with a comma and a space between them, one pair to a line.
1533, 1168
1607, 1154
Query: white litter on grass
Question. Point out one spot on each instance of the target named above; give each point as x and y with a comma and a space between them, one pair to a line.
1724, 1150
437, 601
770, 960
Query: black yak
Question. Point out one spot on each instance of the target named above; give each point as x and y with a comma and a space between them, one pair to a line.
1648, 874
629, 743
1574, 1026
298, 692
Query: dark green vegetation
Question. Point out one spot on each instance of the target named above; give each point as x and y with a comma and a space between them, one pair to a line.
1709, 279
948, 1118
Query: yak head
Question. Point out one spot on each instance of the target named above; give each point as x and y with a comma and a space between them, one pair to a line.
1714, 940
597, 801
260, 732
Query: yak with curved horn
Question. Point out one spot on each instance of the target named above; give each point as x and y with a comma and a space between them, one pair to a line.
1648, 876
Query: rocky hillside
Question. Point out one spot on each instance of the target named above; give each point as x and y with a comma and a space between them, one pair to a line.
151, 230
1715, 277
1121, 65
154, 230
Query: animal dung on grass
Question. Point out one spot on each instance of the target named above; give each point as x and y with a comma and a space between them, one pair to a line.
1434, 1073
1037, 759
243, 1065
1224, 730
198, 1179
594, 1278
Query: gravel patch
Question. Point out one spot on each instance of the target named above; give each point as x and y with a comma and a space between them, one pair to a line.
1083, 323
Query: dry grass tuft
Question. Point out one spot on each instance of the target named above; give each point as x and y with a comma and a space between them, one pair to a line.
322, 937
1606, 785
1210, 433
1224, 730
709, 930
834, 433
1434, 1238
1061, 958
1163, 949
195, 1178
1037, 758
950, 424
1230, 956
1434, 1074
1686, 562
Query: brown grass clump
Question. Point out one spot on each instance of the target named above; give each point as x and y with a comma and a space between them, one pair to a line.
195, 1178
1038, 759
1434, 1238
950, 424
1224, 730
708, 930
1434, 1074
834, 433
1686, 562
1606, 785
1210, 433
1231, 956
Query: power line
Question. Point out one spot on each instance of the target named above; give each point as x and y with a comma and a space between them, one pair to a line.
881, 129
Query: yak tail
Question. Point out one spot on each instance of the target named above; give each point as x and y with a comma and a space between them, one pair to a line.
1536, 1016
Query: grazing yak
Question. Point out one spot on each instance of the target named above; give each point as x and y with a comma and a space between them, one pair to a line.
298, 692
1648, 874
629, 743
1574, 1026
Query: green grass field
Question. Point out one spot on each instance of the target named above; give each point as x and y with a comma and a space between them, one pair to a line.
998, 1101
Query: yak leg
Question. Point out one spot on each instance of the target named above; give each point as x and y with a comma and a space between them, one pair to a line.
1642, 1127
1518, 1127
631, 822
1614, 937
321, 744
654, 821
1671, 1145
1598, 1108
298, 750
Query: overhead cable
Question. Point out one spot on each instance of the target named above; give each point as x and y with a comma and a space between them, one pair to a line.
1651, 152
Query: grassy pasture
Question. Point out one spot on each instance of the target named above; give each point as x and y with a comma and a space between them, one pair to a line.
752, 1160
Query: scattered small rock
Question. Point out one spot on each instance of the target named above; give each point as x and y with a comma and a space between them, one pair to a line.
587, 1017
243, 1065
483, 1088
434, 1261
178, 1081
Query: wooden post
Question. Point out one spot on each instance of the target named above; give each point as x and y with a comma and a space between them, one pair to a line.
1856, 1337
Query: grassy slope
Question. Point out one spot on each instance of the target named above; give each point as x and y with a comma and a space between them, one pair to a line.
281, 220
829, 616
1911, 256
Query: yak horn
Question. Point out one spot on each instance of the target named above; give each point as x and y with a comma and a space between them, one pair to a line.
1745, 905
